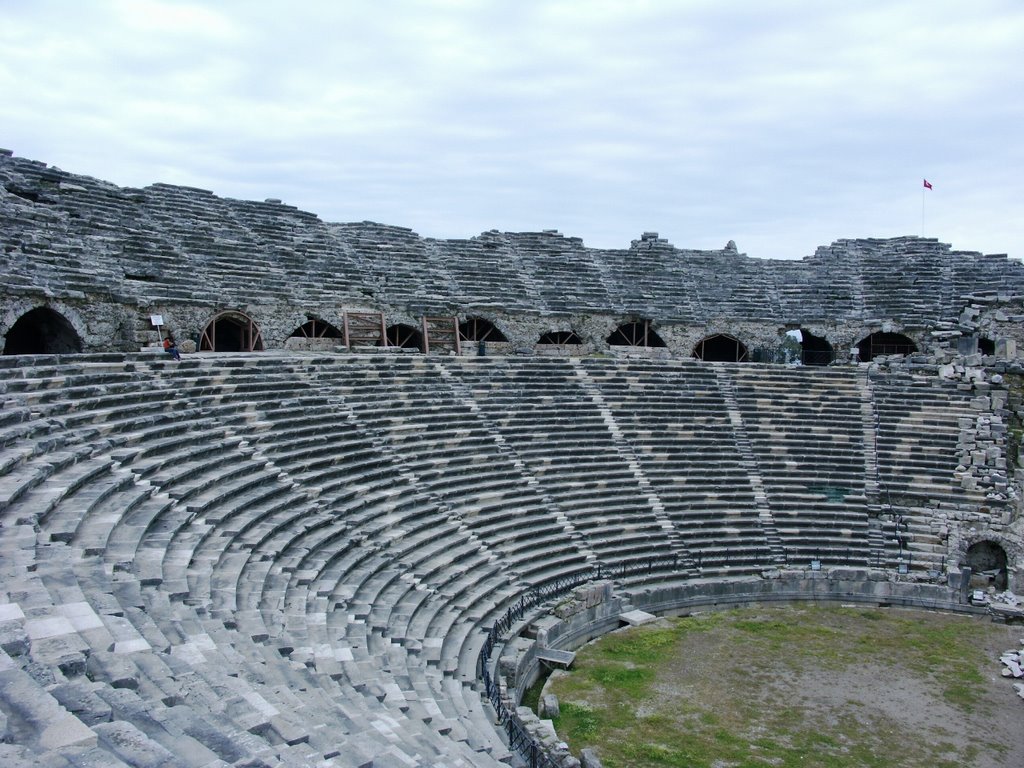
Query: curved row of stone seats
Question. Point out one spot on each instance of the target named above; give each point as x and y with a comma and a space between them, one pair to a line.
563, 440
432, 434
221, 251
490, 273
918, 434
80, 235
651, 265
307, 567
674, 416
303, 246
921, 427
328, 605
565, 276
805, 428
95, 235
920, 278
132, 585
407, 268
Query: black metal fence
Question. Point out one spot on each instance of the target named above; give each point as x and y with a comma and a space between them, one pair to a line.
518, 737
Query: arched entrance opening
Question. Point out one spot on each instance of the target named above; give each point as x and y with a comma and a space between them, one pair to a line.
721, 348
986, 346
560, 337
636, 334
231, 332
987, 561
815, 350
316, 329
880, 343
42, 331
404, 336
478, 329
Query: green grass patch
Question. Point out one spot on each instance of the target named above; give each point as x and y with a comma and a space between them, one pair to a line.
754, 687
531, 698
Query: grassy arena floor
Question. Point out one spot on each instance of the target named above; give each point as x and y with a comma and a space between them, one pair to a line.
796, 686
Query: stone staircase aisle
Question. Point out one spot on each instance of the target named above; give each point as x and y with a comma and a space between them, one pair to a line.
748, 462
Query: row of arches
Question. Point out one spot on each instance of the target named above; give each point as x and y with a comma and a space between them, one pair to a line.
45, 331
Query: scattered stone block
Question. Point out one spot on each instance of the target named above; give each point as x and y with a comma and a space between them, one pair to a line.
133, 746
548, 708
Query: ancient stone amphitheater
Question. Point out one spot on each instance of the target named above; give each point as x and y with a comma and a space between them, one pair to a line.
391, 476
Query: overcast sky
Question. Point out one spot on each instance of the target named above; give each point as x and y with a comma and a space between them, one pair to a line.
780, 125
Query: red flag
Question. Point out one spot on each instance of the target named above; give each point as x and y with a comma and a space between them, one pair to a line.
927, 184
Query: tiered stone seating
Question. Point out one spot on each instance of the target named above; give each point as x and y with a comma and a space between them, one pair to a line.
559, 271
489, 272
401, 263
165, 246
155, 573
564, 441
288, 560
920, 422
674, 415
805, 430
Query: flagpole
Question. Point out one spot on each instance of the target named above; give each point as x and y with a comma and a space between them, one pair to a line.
924, 187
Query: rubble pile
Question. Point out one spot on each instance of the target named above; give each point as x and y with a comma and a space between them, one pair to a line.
1006, 607
1012, 661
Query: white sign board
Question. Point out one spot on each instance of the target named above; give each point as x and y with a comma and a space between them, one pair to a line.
156, 320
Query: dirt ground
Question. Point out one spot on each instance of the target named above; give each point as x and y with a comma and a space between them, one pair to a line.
857, 693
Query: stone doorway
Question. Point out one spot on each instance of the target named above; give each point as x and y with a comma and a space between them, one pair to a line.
635, 334
881, 343
404, 336
41, 331
987, 561
721, 348
231, 332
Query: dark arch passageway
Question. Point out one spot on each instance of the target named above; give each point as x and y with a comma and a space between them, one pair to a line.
635, 334
479, 329
41, 331
881, 343
231, 332
987, 561
405, 336
815, 350
316, 329
560, 337
721, 348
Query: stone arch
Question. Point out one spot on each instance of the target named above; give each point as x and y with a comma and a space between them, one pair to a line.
479, 329
560, 337
637, 333
316, 329
884, 343
988, 563
404, 336
42, 331
721, 348
815, 350
231, 331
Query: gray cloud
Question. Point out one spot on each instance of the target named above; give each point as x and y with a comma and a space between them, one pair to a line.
782, 126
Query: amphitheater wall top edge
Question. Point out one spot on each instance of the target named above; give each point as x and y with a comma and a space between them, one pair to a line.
77, 238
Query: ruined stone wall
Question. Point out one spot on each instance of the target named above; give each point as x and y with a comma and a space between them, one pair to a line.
76, 242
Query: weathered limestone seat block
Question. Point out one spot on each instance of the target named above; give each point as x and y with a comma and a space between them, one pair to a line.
288, 560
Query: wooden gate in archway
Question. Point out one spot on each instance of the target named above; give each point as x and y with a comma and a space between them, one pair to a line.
231, 332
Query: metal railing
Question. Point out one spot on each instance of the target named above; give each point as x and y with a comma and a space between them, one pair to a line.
519, 738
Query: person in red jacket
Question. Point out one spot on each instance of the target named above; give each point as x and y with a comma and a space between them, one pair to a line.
171, 348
